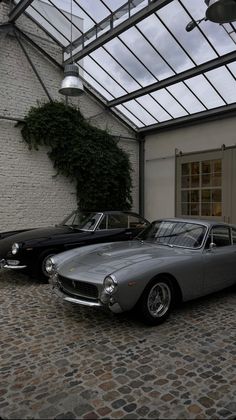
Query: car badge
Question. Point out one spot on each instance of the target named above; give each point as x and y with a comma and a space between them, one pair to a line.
73, 283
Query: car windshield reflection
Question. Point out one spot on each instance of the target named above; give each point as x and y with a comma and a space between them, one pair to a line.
81, 221
91, 222
174, 233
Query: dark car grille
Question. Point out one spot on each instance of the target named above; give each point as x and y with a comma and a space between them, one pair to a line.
78, 288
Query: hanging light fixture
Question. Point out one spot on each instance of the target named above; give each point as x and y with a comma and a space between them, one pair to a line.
71, 84
221, 11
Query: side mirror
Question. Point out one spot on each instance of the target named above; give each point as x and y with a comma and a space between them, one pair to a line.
212, 246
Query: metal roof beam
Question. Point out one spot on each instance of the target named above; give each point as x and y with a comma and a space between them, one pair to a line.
35, 45
19, 9
187, 74
152, 7
199, 117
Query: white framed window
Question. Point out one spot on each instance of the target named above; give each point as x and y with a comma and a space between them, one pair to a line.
201, 188
199, 185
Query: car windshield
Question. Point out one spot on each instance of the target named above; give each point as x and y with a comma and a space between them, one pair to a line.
81, 221
90, 222
174, 233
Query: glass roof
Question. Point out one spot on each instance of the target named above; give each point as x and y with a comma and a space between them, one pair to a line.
139, 57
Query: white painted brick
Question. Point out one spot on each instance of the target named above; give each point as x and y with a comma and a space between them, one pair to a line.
30, 195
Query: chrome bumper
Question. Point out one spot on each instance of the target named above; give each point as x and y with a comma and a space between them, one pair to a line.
63, 296
5, 264
115, 308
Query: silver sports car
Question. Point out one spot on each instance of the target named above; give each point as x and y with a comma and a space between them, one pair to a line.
171, 260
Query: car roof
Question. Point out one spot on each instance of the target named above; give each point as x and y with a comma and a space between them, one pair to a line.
115, 212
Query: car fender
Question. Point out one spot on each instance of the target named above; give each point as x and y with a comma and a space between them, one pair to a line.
132, 280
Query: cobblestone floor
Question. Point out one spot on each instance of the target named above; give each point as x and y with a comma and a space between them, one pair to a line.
60, 361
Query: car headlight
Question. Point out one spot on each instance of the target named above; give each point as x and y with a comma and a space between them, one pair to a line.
15, 248
50, 266
110, 285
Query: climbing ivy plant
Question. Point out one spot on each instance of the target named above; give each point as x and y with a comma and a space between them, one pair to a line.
83, 153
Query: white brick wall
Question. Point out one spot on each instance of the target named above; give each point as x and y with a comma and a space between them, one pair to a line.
29, 194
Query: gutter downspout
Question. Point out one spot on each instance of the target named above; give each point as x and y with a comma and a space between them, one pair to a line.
141, 140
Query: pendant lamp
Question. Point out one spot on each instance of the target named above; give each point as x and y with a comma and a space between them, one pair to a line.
221, 11
71, 85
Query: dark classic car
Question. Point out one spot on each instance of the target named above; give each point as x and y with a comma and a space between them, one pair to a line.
171, 260
28, 250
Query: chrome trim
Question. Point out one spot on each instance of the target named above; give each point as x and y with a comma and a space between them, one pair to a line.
82, 302
98, 222
14, 267
95, 227
114, 282
63, 296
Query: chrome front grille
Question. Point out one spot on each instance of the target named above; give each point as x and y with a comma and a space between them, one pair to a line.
78, 288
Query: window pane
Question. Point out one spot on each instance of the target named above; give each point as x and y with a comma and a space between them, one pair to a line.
195, 181
206, 196
206, 167
185, 196
195, 196
216, 180
199, 195
217, 166
195, 168
206, 181
185, 169
185, 181
195, 209
185, 209
216, 195
206, 209
216, 209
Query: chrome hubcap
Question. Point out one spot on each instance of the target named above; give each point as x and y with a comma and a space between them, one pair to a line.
159, 300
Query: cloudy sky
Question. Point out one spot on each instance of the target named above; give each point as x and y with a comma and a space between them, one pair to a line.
157, 48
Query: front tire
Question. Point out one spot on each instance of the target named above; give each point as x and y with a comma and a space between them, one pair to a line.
156, 301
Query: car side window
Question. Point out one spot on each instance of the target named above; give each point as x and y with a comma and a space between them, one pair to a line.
103, 223
117, 221
220, 236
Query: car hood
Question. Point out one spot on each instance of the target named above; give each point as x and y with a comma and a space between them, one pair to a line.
37, 234
94, 265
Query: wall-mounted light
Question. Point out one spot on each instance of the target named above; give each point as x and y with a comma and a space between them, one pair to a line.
71, 85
